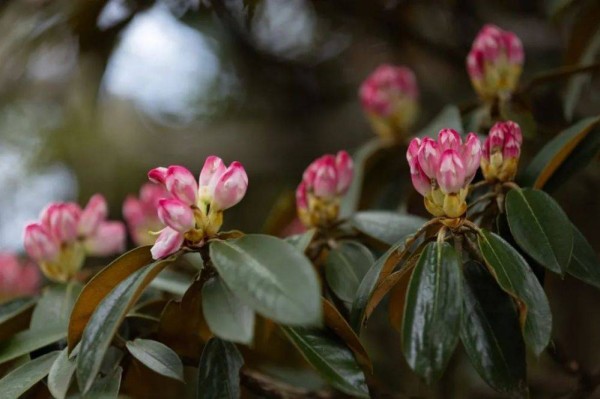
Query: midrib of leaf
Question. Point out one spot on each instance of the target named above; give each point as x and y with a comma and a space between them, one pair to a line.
348, 265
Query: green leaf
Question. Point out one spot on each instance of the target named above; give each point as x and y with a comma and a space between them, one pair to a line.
15, 307
387, 227
18, 381
303, 240
106, 319
515, 277
537, 224
99, 287
227, 317
490, 331
270, 276
333, 360
61, 373
345, 268
157, 357
449, 117
55, 305
106, 387
431, 325
28, 341
382, 266
351, 201
172, 282
555, 153
219, 371
577, 83
584, 262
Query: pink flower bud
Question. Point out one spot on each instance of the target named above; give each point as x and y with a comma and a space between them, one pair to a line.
345, 170
451, 173
17, 278
93, 214
429, 157
507, 138
325, 182
388, 85
448, 139
108, 239
169, 241
412, 154
63, 220
39, 243
158, 175
211, 173
420, 181
182, 184
176, 215
141, 214
231, 187
133, 211
471, 154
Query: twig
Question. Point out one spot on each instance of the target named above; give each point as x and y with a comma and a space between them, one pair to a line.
559, 74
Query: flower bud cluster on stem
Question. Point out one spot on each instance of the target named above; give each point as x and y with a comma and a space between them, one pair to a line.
65, 233
141, 213
495, 62
501, 151
389, 98
442, 170
193, 211
324, 183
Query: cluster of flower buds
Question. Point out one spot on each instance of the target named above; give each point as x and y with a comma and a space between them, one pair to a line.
501, 151
389, 97
442, 170
323, 184
65, 233
141, 213
495, 62
194, 210
17, 278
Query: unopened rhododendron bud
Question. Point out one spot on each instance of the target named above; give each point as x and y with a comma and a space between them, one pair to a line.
442, 170
141, 214
323, 184
65, 233
501, 152
193, 210
495, 62
17, 278
389, 97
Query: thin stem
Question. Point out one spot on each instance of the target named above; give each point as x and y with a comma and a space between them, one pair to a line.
511, 185
477, 185
266, 387
479, 200
560, 73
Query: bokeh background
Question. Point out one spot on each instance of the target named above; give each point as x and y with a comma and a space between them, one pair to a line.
94, 93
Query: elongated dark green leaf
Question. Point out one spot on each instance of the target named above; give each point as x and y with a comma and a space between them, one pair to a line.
387, 227
577, 83
345, 268
106, 319
270, 276
18, 381
516, 278
157, 357
13, 308
333, 360
490, 331
303, 240
537, 224
227, 317
60, 375
351, 200
28, 341
383, 265
556, 152
172, 282
100, 285
585, 264
431, 325
219, 371
449, 117
55, 305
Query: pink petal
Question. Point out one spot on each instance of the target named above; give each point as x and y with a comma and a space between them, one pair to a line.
231, 187
108, 239
176, 215
182, 184
451, 173
211, 172
93, 214
169, 241
345, 171
158, 175
39, 243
